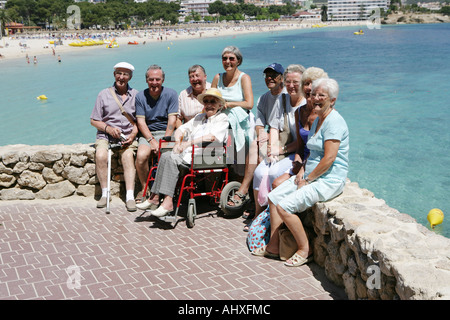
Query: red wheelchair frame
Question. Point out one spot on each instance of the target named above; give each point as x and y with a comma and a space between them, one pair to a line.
197, 172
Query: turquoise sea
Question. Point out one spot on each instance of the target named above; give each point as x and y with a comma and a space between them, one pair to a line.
393, 94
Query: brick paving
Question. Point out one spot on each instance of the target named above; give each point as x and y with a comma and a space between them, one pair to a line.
44, 243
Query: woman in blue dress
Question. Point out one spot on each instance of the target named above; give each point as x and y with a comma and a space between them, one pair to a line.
304, 117
324, 177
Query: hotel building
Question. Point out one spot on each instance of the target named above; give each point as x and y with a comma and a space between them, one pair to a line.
347, 10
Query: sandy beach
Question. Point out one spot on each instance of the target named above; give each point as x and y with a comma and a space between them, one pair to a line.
37, 44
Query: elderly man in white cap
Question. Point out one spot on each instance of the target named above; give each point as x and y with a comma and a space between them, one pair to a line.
114, 117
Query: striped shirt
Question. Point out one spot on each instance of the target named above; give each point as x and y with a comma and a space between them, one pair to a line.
188, 104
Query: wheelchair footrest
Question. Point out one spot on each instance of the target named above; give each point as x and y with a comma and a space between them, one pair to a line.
170, 219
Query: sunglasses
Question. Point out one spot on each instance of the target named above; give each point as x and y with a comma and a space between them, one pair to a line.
213, 101
228, 58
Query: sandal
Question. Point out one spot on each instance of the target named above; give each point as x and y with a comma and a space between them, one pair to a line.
261, 252
139, 197
237, 202
248, 214
297, 260
247, 227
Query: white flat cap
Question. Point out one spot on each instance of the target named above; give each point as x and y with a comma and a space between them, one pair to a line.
124, 65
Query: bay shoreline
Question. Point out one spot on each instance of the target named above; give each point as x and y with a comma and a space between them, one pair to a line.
39, 43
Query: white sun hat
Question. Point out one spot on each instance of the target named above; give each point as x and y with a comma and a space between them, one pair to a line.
124, 65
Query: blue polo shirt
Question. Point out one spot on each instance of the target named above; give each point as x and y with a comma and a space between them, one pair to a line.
156, 112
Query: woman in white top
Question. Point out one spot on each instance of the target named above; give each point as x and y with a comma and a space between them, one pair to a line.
211, 125
271, 168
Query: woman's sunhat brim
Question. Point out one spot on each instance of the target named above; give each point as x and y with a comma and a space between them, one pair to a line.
213, 92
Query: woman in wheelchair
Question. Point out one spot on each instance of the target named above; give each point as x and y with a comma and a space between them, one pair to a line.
208, 126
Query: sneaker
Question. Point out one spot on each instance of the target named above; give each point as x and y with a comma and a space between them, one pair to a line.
131, 205
101, 203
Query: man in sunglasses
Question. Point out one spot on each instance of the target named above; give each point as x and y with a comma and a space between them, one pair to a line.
265, 117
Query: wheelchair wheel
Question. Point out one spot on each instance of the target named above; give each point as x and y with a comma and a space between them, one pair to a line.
190, 218
228, 192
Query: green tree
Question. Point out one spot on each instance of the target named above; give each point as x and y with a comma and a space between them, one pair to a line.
445, 10
217, 7
324, 13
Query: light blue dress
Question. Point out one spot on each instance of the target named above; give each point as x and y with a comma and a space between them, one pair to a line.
237, 117
328, 185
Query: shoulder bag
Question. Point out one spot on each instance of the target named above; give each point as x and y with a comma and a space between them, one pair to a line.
121, 107
285, 135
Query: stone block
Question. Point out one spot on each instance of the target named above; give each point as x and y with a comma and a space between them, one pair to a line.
46, 156
16, 194
31, 179
56, 190
7, 180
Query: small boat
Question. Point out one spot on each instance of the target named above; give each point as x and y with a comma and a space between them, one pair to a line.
133, 42
76, 44
360, 32
87, 42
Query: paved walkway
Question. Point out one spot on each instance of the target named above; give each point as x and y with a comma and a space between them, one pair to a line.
68, 249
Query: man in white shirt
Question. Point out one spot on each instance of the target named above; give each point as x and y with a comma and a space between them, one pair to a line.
188, 104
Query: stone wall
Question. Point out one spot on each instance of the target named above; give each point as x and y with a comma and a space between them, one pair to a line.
370, 249
52, 172
376, 252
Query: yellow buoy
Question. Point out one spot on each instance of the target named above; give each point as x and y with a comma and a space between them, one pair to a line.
435, 217
42, 97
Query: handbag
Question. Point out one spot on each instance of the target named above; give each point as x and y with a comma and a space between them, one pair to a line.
259, 231
285, 135
264, 189
287, 244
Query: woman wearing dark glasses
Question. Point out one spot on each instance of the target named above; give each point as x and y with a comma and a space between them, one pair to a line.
236, 88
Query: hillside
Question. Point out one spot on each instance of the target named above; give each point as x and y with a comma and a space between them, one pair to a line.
406, 18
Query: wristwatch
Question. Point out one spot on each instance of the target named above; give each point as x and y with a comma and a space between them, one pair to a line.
150, 139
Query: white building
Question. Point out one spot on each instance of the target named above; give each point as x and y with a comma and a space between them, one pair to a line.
433, 6
197, 6
345, 10
308, 16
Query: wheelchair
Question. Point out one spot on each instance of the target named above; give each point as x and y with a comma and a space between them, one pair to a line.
208, 175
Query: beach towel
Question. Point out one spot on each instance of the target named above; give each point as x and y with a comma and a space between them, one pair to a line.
240, 125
